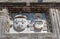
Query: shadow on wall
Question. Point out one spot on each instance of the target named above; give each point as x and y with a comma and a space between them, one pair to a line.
40, 1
